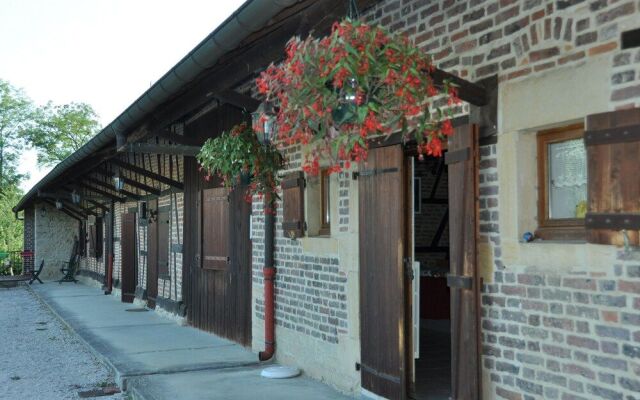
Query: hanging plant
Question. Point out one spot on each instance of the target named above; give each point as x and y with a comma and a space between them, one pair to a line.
334, 93
237, 155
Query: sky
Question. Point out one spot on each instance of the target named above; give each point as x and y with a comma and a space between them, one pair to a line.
102, 52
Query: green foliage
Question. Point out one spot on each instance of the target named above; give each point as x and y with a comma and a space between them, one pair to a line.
60, 130
238, 154
16, 116
11, 230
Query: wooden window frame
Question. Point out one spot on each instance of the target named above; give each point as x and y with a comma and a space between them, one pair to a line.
325, 203
558, 228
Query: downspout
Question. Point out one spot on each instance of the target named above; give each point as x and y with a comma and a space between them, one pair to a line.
109, 284
269, 272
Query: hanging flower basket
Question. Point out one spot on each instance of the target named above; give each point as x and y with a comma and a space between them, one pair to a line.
335, 93
238, 159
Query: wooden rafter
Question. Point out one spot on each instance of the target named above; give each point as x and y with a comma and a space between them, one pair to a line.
65, 210
148, 174
151, 148
109, 186
102, 192
130, 182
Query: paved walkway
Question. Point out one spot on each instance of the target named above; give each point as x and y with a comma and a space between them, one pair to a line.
154, 358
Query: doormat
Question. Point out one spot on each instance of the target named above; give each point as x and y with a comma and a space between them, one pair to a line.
136, 309
105, 391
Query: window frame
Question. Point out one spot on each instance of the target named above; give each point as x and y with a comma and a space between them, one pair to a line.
325, 203
555, 228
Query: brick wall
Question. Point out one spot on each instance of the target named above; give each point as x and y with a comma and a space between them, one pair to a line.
29, 229
520, 38
310, 288
564, 336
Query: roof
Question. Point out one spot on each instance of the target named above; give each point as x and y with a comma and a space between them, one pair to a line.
247, 19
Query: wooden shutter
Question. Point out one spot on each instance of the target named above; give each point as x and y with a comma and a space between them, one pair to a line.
293, 224
92, 240
382, 278
215, 228
163, 240
82, 239
99, 237
128, 251
613, 158
462, 160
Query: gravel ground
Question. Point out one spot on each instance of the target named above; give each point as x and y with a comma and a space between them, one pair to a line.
39, 357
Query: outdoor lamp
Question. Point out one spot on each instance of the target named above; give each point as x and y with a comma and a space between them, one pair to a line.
118, 182
264, 123
43, 211
58, 204
75, 197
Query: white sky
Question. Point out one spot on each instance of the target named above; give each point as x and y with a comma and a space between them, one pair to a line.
105, 53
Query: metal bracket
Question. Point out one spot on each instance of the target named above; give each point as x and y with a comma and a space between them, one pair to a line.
461, 282
372, 172
612, 221
456, 156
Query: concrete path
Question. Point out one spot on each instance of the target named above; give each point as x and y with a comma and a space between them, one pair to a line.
155, 358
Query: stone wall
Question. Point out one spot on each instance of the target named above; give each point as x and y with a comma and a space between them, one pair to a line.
54, 237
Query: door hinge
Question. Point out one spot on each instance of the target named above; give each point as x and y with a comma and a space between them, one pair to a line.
408, 268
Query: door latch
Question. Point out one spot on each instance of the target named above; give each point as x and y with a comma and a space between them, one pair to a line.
408, 268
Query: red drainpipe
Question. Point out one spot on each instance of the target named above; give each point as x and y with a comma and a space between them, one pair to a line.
269, 272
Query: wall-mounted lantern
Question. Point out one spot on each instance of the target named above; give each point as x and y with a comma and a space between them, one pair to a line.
43, 211
264, 122
118, 181
75, 197
59, 205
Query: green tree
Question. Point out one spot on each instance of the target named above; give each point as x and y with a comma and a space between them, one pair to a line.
10, 228
61, 130
16, 116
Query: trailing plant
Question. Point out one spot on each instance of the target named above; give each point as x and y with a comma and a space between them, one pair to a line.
237, 155
334, 93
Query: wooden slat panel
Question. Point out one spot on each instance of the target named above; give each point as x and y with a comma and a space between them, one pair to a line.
215, 228
293, 205
128, 270
152, 255
382, 279
163, 241
463, 232
613, 184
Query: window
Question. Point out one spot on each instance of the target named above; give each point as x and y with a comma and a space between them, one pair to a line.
562, 183
325, 201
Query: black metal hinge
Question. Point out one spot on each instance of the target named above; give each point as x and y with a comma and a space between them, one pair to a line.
372, 172
461, 282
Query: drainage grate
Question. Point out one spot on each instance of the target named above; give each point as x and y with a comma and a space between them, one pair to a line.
136, 309
105, 391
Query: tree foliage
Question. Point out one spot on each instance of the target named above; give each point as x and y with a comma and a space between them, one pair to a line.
10, 228
16, 117
60, 130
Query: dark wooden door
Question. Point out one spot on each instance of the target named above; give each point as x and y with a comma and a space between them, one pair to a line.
463, 280
217, 266
382, 278
152, 254
128, 247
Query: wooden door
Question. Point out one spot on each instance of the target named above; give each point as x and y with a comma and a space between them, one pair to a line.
462, 159
382, 277
152, 254
217, 267
128, 248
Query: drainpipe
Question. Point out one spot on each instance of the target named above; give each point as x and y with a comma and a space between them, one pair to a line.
110, 222
269, 272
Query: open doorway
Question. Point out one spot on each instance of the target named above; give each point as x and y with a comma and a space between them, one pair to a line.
431, 314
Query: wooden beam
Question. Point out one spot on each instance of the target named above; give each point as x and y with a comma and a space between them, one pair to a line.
68, 212
102, 192
253, 55
130, 182
467, 91
150, 148
109, 186
148, 174
244, 102
175, 138
98, 205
